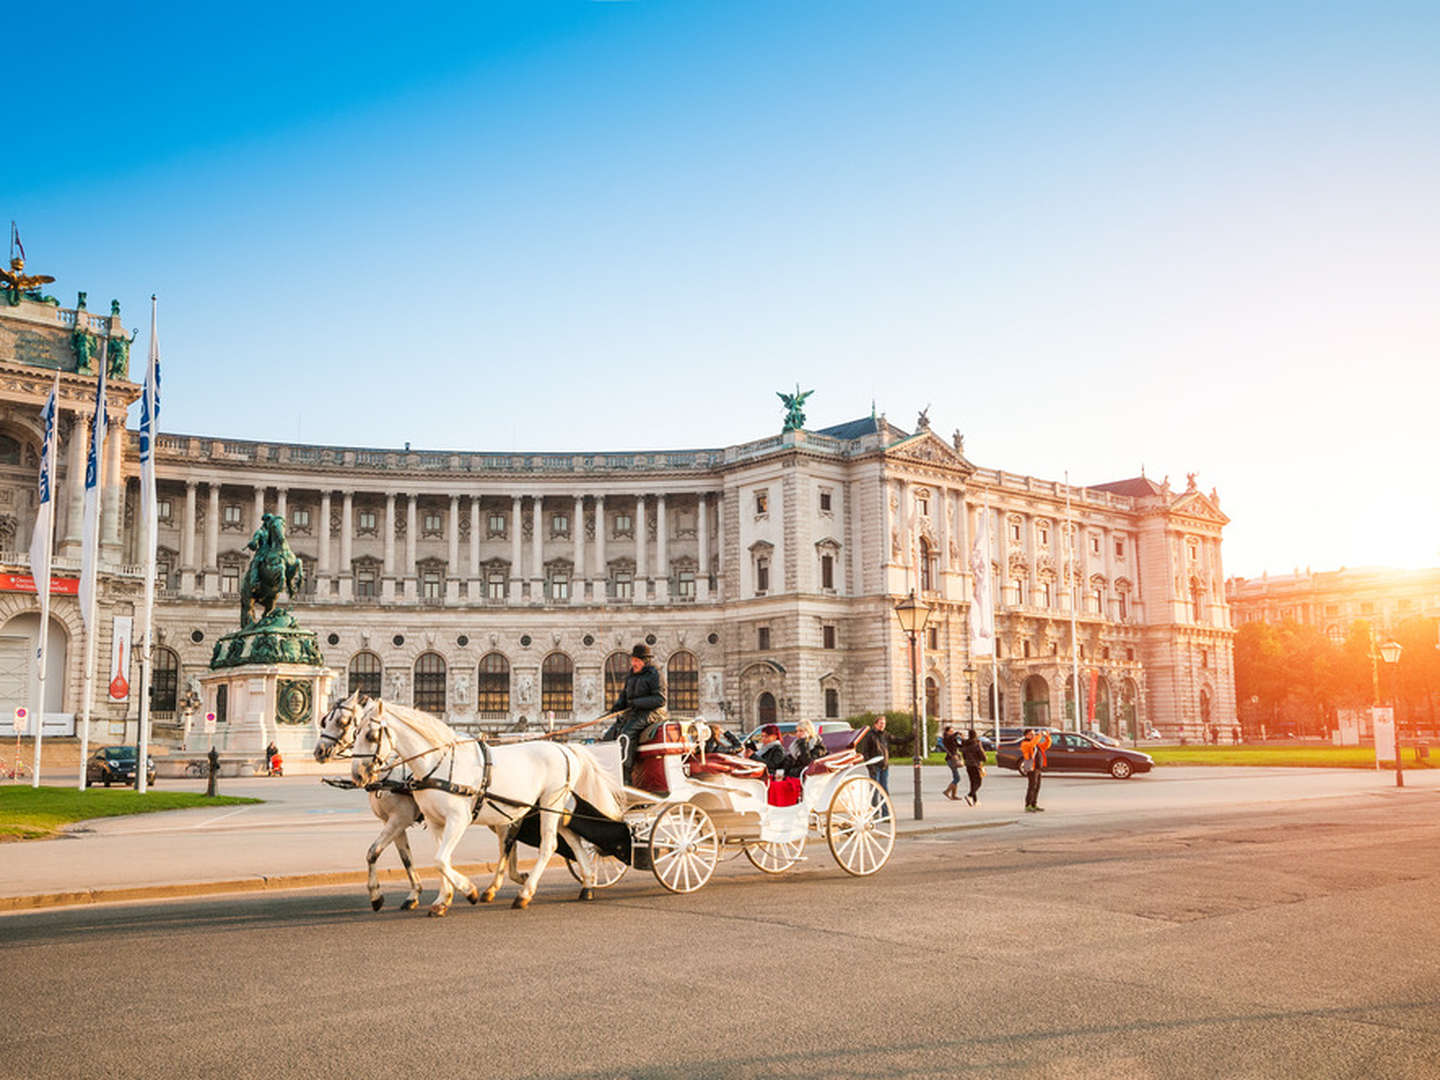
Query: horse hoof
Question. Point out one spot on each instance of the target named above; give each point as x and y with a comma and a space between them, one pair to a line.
521, 903
437, 911
587, 894
473, 895
377, 903
409, 905
487, 896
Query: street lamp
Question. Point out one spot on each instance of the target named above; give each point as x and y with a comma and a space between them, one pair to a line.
913, 615
1390, 653
970, 694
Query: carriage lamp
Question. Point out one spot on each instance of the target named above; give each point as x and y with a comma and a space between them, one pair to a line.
1390, 653
913, 615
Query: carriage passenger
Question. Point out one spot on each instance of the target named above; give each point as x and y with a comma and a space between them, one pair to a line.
805, 749
722, 741
771, 750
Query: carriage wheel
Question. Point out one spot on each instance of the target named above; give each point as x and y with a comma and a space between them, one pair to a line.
860, 826
608, 869
684, 847
775, 856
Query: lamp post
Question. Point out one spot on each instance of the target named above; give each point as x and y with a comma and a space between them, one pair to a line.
1390, 653
913, 615
970, 694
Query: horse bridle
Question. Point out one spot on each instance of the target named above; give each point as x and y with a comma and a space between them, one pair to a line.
346, 739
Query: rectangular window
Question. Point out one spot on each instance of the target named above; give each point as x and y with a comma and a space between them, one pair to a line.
825, 502
762, 503
560, 587
1094, 545
162, 509
229, 581
431, 587
496, 523
624, 585
762, 576
1105, 653
300, 517
431, 524
1119, 549
1045, 594
1130, 654
827, 571
495, 585
685, 585
1121, 602
932, 638
1204, 658
828, 636
365, 520
922, 506
1015, 531
365, 582
623, 525
232, 514
1044, 537
559, 524
762, 637
1019, 590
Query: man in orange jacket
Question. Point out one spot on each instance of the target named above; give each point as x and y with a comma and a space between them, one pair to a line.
1033, 762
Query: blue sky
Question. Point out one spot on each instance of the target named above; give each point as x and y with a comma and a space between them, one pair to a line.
1089, 236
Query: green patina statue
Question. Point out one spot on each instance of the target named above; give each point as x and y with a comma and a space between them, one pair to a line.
118, 357
274, 567
86, 345
794, 416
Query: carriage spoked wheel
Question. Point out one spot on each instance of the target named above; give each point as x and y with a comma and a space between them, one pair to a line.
860, 826
775, 856
684, 847
608, 869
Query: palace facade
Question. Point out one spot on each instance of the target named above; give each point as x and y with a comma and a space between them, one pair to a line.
1333, 599
498, 588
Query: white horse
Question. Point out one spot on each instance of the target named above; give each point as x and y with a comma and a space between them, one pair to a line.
458, 779
396, 809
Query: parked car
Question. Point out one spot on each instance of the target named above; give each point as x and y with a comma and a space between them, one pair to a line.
116, 765
822, 728
1071, 752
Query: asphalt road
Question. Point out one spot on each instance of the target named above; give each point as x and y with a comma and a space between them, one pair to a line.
1298, 942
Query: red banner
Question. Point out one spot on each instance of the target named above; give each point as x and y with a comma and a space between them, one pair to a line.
1090, 698
63, 586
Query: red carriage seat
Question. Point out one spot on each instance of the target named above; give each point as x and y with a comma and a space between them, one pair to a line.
726, 765
841, 759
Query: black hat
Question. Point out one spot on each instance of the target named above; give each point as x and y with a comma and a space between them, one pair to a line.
642, 652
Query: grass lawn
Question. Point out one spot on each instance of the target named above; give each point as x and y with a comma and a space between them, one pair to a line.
1320, 757
28, 813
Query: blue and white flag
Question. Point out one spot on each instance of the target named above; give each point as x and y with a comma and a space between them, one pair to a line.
149, 417
90, 534
41, 538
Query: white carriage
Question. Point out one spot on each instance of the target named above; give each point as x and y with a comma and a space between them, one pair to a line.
689, 810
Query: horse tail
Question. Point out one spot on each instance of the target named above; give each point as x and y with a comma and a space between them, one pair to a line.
596, 786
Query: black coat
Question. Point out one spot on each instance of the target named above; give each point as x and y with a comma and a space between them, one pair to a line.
643, 692
875, 744
773, 755
802, 753
972, 752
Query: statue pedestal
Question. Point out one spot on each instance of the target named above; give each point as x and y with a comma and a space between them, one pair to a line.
264, 702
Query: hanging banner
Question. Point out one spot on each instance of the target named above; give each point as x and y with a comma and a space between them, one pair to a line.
120, 658
1090, 697
59, 586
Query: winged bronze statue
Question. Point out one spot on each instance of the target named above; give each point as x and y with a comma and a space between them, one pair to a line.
794, 416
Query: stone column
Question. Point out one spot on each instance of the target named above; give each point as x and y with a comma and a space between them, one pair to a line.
187, 541
347, 546
537, 549
1107, 539
642, 576
212, 541
942, 503
259, 511
577, 529
1004, 597
662, 552
517, 553
282, 504
474, 574
602, 572
387, 584
322, 534
702, 533
720, 545
452, 552
112, 501
412, 506
76, 449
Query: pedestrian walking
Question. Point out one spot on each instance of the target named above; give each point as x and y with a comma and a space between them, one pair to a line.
1235, 735
973, 754
875, 744
270, 753
1032, 763
950, 742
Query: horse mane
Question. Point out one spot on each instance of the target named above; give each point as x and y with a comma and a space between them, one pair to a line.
432, 728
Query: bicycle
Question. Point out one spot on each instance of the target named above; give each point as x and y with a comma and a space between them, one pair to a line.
198, 768
19, 771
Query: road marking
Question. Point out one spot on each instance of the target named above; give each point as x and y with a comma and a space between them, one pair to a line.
222, 817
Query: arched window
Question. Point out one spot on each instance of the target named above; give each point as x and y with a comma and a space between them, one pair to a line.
1205, 707
682, 679
1197, 601
765, 709
617, 668
927, 578
493, 687
557, 685
164, 681
932, 699
430, 683
365, 671
832, 703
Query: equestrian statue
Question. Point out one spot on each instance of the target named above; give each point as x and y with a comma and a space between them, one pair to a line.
274, 567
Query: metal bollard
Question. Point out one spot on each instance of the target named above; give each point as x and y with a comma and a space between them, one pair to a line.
214, 757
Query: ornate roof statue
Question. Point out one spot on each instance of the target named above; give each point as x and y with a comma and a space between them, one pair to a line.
16, 283
794, 416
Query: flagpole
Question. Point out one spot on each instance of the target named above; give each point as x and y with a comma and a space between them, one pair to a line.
148, 428
91, 554
994, 662
1074, 601
47, 465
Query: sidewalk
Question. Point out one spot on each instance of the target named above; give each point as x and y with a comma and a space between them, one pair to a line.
307, 834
